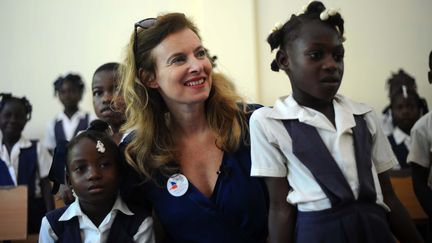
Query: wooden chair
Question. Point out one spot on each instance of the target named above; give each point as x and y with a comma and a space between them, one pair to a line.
403, 187
13, 213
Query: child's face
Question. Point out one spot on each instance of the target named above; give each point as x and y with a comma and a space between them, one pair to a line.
93, 175
104, 87
13, 119
315, 62
405, 112
69, 95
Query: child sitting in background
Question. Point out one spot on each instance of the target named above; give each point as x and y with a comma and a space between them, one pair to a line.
420, 157
405, 105
23, 161
67, 123
98, 214
394, 84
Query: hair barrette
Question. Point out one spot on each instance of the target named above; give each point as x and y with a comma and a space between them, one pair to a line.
404, 92
327, 13
100, 147
304, 8
277, 27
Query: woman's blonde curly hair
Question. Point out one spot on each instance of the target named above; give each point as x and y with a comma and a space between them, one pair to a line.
152, 148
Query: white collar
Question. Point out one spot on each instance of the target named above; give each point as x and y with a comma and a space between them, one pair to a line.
297, 111
21, 143
79, 114
75, 210
400, 136
287, 108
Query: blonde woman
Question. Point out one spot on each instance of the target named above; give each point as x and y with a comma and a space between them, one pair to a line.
189, 156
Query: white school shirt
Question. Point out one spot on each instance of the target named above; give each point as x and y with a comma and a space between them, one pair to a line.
69, 127
387, 122
401, 137
272, 155
12, 160
89, 232
421, 143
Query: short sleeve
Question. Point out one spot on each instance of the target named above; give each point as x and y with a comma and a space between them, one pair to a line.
145, 232
46, 233
421, 146
44, 160
382, 153
267, 158
49, 138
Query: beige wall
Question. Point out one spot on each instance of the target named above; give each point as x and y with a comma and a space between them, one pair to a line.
43, 39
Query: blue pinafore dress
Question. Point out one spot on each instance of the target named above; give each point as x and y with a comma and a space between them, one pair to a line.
27, 172
122, 230
59, 132
349, 219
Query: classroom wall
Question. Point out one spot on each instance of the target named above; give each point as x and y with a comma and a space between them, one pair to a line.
43, 39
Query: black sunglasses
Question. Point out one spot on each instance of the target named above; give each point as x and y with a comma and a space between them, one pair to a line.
144, 24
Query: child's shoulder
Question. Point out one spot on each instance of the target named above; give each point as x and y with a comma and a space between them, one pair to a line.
425, 122
261, 113
55, 214
284, 108
357, 108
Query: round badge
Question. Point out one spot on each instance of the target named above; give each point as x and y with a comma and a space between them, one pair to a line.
177, 185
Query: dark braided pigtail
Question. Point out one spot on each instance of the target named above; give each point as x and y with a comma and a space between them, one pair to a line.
7, 97
74, 79
398, 79
284, 35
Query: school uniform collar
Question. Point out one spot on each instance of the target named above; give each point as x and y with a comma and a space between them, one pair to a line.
400, 136
22, 143
77, 115
287, 108
74, 210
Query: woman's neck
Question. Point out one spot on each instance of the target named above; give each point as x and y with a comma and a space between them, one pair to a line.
188, 121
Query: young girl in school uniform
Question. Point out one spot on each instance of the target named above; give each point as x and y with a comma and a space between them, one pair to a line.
67, 123
24, 161
324, 157
405, 105
394, 84
98, 214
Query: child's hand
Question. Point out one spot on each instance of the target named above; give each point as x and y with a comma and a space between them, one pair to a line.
66, 195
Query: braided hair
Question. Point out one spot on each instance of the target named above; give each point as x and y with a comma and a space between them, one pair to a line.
280, 37
397, 80
98, 130
406, 93
8, 97
74, 79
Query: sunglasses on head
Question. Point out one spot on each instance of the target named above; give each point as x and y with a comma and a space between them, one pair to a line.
144, 24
